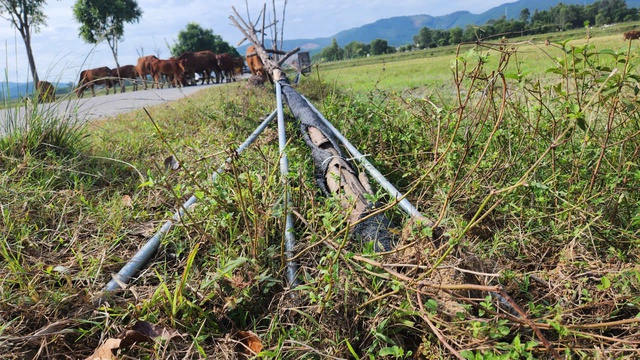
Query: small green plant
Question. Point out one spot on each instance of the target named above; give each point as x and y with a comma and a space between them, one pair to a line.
523, 154
33, 130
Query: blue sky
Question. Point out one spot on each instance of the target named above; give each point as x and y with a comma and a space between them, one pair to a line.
60, 53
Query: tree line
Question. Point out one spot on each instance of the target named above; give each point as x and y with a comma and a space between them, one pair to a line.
354, 49
558, 18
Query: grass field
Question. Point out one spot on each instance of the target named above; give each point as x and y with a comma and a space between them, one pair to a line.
431, 68
524, 155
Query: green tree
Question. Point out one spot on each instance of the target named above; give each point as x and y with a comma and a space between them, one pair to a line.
196, 38
355, 49
104, 20
567, 16
26, 16
424, 38
332, 52
441, 37
472, 33
380, 46
405, 48
455, 35
525, 14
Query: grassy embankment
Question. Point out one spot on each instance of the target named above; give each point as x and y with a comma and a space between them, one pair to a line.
533, 176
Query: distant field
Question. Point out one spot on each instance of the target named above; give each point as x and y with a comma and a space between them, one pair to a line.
426, 71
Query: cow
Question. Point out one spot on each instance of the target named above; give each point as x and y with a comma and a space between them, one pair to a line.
238, 65
225, 64
172, 68
632, 35
255, 63
46, 91
201, 62
127, 72
143, 69
91, 77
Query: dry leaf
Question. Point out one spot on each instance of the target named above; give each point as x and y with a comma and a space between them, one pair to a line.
131, 337
250, 340
146, 229
171, 163
104, 352
127, 201
142, 332
154, 331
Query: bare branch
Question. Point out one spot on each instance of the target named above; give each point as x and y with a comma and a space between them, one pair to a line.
264, 11
288, 55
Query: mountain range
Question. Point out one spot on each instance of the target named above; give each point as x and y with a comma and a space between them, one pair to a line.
400, 30
13, 90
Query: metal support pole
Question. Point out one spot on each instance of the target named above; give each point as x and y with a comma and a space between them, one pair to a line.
140, 259
404, 204
289, 236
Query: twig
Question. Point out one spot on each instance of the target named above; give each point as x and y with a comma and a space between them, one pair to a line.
287, 55
496, 289
533, 326
434, 329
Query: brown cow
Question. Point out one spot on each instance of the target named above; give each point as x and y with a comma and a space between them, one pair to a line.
255, 63
46, 91
143, 68
238, 65
201, 62
632, 35
172, 68
225, 64
127, 72
91, 77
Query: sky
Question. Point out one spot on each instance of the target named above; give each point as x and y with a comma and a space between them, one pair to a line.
60, 53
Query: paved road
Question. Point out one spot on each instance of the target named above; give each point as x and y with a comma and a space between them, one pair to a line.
89, 108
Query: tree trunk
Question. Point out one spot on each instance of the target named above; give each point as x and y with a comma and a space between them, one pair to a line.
32, 62
113, 44
23, 28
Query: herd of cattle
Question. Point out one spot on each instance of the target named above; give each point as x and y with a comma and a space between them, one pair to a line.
179, 71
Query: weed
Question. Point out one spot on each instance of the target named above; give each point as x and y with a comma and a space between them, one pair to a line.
527, 164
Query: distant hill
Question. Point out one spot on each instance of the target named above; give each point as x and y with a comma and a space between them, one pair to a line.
12, 90
400, 30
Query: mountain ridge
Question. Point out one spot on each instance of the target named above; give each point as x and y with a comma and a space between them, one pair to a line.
405, 27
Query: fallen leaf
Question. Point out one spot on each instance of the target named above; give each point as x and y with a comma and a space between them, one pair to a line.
63, 270
250, 340
131, 337
146, 229
142, 332
105, 351
171, 163
127, 201
154, 331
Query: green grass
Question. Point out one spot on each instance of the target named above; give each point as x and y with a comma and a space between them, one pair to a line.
423, 71
526, 157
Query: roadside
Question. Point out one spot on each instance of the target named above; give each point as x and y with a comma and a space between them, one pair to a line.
91, 108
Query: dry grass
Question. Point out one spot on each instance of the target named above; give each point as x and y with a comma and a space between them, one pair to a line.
535, 198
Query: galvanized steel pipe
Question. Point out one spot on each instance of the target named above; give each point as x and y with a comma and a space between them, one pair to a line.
142, 257
404, 204
289, 236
